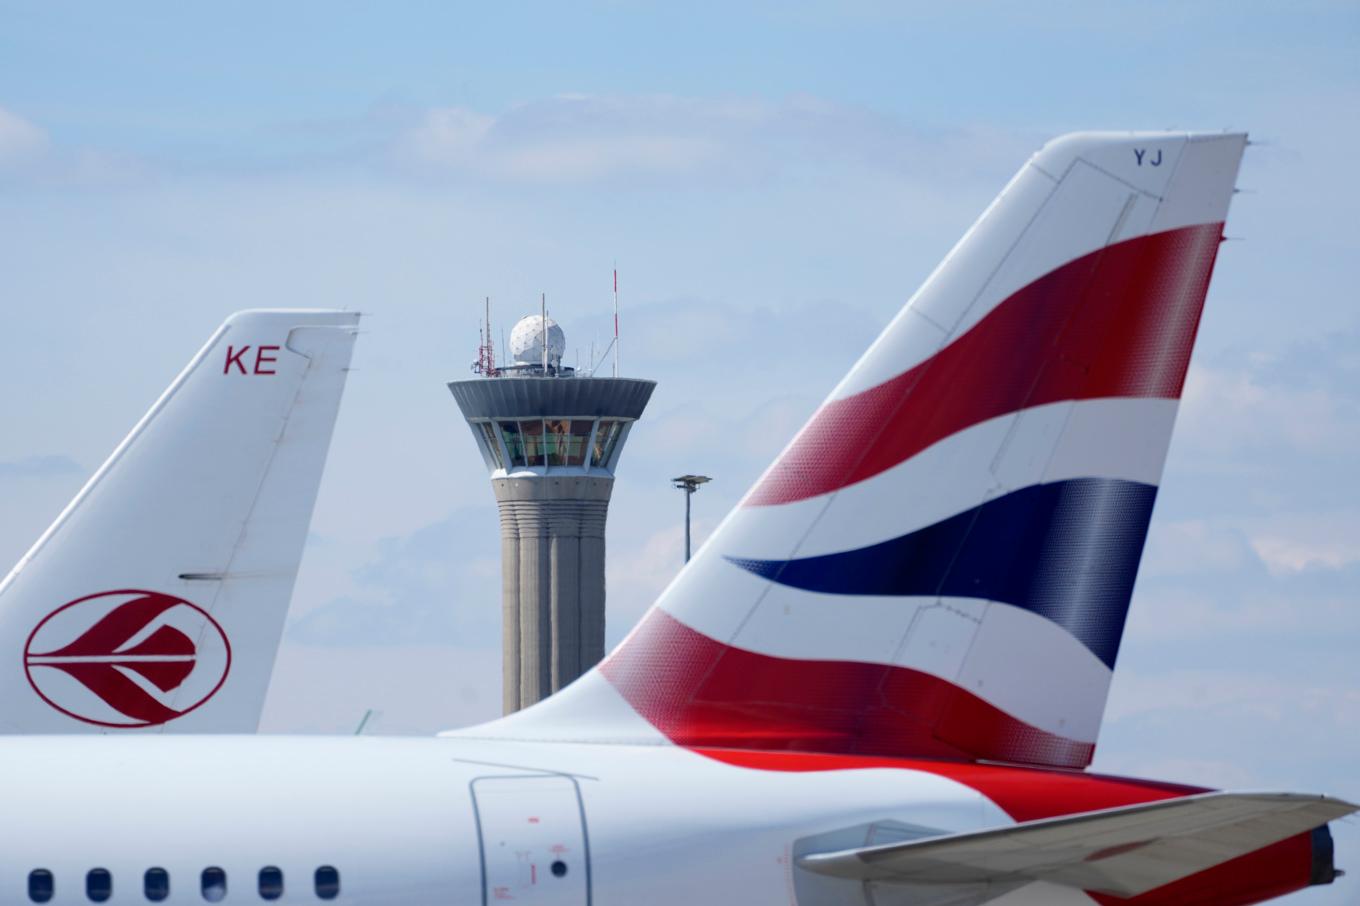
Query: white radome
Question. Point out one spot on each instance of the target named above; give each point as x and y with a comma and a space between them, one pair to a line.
526, 341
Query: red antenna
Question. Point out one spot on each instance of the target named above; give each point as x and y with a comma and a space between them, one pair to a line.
486, 349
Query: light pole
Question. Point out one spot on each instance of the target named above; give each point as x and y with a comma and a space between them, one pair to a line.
689, 484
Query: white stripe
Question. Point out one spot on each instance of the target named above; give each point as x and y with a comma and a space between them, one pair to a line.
1018, 661
113, 659
1106, 438
1075, 196
1033, 669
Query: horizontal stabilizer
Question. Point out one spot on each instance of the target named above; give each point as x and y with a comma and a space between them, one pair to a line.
1121, 851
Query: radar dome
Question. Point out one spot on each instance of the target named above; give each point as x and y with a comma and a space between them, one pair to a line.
526, 341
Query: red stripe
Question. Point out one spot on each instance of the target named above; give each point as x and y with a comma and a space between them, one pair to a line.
1026, 794
1269, 872
1119, 322
700, 692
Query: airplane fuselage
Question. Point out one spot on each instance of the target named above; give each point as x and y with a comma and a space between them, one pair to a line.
451, 820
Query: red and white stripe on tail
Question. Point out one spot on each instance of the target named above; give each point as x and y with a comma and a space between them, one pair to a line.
941, 561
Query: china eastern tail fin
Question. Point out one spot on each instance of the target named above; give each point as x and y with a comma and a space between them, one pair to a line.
940, 562
156, 600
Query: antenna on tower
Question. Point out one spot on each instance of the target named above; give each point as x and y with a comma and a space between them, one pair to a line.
543, 327
616, 319
486, 347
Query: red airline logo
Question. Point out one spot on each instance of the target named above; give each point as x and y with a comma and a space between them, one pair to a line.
127, 658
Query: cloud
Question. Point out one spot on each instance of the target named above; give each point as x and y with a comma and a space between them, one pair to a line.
637, 573
20, 140
1195, 546
1247, 405
27, 153
419, 688
38, 467
1228, 411
438, 585
1294, 543
587, 138
1282, 543
449, 136
579, 139
1251, 697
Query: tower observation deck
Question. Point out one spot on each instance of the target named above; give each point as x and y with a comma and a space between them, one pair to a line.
551, 439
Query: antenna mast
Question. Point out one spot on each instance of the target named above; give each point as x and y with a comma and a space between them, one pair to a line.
616, 321
490, 345
543, 327
486, 350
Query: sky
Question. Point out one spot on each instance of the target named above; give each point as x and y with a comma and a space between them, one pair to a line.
773, 181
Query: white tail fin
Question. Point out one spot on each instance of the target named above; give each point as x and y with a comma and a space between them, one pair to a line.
941, 561
157, 598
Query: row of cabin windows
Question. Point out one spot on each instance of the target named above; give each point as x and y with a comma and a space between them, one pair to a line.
156, 884
551, 441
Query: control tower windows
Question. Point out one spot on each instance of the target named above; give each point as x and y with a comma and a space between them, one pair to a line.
534, 442
514, 443
550, 442
491, 444
566, 440
606, 439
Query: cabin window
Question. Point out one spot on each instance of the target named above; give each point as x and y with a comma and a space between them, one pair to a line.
271, 882
214, 885
40, 885
98, 884
327, 882
156, 884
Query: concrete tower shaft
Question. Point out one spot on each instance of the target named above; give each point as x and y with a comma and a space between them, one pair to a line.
551, 445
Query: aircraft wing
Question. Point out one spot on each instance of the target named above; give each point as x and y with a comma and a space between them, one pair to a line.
1121, 851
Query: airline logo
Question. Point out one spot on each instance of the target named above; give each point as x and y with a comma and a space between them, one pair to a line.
127, 658
944, 557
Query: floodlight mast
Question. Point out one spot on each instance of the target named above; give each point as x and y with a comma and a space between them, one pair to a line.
689, 484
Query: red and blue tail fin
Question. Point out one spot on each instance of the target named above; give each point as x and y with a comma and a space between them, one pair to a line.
941, 561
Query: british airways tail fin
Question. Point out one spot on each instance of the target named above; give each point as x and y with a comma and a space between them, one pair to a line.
156, 600
941, 561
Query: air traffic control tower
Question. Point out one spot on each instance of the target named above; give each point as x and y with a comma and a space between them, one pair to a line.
551, 438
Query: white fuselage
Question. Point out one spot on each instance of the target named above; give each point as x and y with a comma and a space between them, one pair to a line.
436, 820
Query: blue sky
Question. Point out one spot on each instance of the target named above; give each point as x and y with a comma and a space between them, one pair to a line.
774, 180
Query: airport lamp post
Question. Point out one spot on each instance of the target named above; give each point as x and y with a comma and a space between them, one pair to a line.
689, 484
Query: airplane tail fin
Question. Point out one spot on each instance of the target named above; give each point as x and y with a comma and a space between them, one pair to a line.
940, 562
157, 598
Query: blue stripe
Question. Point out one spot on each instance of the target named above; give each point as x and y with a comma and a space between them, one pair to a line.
1067, 551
